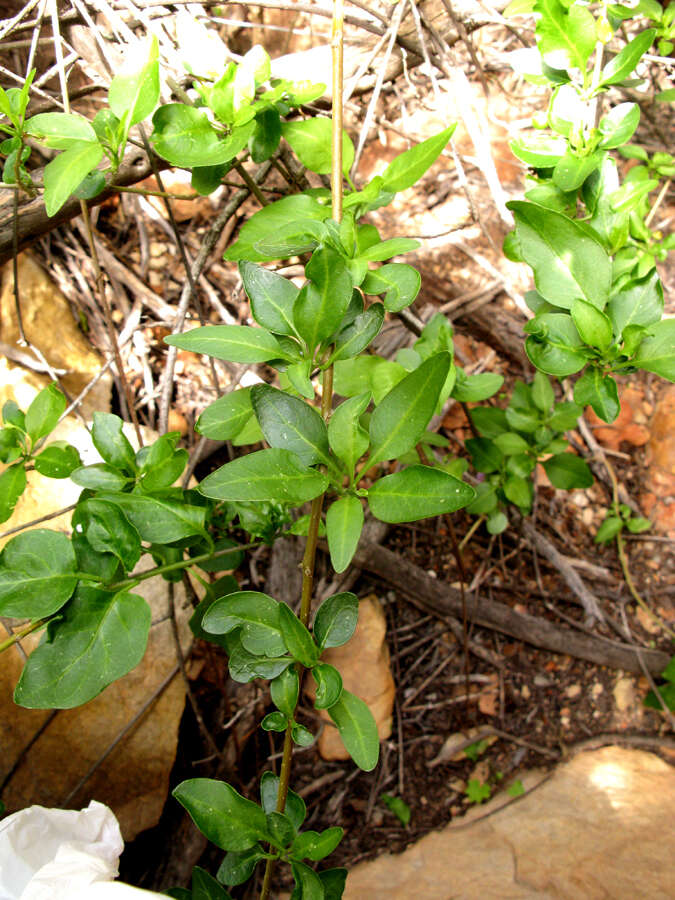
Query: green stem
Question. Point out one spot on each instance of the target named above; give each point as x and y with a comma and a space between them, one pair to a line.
623, 559
19, 635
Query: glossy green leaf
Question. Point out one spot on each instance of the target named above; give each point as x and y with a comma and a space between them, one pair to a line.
226, 818
336, 620
237, 868
347, 438
205, 886
255, 613
410, 166
265, 475
357, 729
609, 529
565, 416
159, 521
108, 530
399, 420
543, 395
184, 136
292, 239
417, 492
568, 472
134, 91
619, 125
355, 337
284, 690
598, 391
314, 845
58, 460
281, 829
593, 325
510, 443
302, 736
100, 476
541, 151
519, 491
60, 130
556, 349
234, 343
37, 577
489, 421
399, 282
295, 805
311, 142
398, 807
308, 883
474, 388
386, 249
274, 721
637, 303
328, 685
291, 424
297, 638
621, 65
568, 262
485, 454
12, 486
571, 171
321, 304
265, 139
344, 521
110, 441
268, 221
272, 297
100, 638
565, 36
223, 419
67, 170
245, 667
656, 353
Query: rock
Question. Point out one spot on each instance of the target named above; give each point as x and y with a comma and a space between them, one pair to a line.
624, 694
573, 691
363, 663
658, 502
600, 827
629, 426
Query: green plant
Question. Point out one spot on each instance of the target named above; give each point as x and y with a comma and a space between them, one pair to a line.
477, 792
666, 690
398, 807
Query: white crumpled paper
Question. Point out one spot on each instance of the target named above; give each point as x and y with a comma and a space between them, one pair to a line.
63, 854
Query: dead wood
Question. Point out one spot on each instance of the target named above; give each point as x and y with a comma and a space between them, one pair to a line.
441, 599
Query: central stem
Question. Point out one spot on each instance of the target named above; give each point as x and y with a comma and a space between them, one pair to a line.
309, 556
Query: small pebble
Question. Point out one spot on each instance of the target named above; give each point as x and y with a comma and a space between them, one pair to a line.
573, 691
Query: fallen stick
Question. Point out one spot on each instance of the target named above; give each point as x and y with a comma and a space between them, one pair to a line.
443, 600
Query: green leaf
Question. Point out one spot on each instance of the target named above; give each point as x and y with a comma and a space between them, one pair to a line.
12, 486
67, 170
237, 868
109, 439
497, 523
410, 166
205, 886
357, 729
281, 828
571, 171
344, 521
568, 472
637, 303
541, 151
134, 92
348, 440
328, 685
598, 391
399, 282
568, 262
321, 304
309, 886
274, 721
386, 249
510, 443
206, 179
245, 666
543, 395
618, 126
101, 476
314, 845
334, 882
565, 37
609, 529
291, 424
100, 638
268, 221
265, 475
233, 343
399, 420
12, 415
485, 454
476, 791
159, 521
292, 239
519, 491
302, 736
474, 388
297, 638
489, 421
256, 614
417, 493
638, 525
556, 348
37, 569
60, 130
58, 460
284, 690
398, 807
565, 416
656, 353
621, 66
336, 620
108, 531
295, 805
272, 297
184, 136
593, 325
265, 139
226, 818
516, 789
355, 337
225, 418
311, 141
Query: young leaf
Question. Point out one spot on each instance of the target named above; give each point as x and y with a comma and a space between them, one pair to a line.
519, 491
315, 846
134, 91
12, 486
291, 424
555, 347
265, 475
110, 441
272, 297
568, 262
237, 868
565, 36
357, 729
410, 166
656, 353
474, 388
618, 126
399, 282
184, 136
256, 614
593, 325
100, 638
328, 685
281, 829
344, 521
308, 883
417, 493
486, 455
311, 143
336, 620
302, 736
159, 521
225, 418
58, 460
274, 721
598, 391
321, 304
511, 444
100, 476
386, 249
67, 170
568, 472
609, 529
297, 638
269, 791
637, 303
37, 569
348, 440
356, 336
233, 343
60, 130
543, 396
226, 818
398, 806
621, 66
284, 690
399, 420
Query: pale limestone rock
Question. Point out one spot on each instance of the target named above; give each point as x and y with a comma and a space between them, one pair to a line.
624, 694
600, 827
